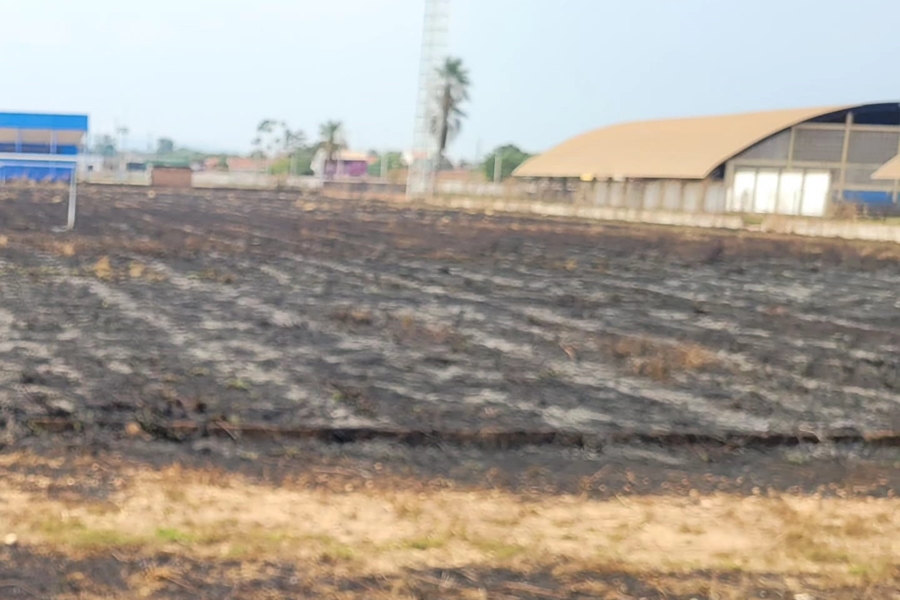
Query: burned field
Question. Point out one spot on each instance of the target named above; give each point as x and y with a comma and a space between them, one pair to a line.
277, 312
199, 390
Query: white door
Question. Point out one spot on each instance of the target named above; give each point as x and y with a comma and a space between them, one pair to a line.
741, 197
790, 193
816, 186
766, 196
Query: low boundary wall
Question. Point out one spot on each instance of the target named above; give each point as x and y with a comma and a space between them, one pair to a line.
569, 208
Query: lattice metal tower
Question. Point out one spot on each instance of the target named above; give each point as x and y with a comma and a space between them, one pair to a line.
435, 33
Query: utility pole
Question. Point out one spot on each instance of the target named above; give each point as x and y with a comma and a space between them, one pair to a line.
498, 166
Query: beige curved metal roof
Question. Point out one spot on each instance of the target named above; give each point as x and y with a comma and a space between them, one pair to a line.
669, 149
889, 171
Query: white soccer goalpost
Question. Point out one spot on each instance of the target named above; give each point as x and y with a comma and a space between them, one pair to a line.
56, 161
43, 147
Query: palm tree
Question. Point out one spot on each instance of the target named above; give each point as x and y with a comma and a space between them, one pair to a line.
453, 91
331, 134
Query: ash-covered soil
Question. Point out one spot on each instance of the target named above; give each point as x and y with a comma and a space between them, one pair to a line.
274, 310
25, 575
340, 353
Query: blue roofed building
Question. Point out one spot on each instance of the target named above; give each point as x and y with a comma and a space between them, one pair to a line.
40, 147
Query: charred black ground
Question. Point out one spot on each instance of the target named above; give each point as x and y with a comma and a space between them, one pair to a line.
265, 309
349, 342
268, 318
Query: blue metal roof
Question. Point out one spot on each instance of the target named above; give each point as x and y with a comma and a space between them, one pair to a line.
43, 121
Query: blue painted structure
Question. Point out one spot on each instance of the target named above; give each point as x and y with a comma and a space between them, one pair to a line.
40, 147
869, 197
43, 121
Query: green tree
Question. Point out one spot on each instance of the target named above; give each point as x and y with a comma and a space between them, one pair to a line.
276, 140
292, 142
165, 146
453, 92
267, 140
300, 163
104, 145
331, 138
511, 157
391, 160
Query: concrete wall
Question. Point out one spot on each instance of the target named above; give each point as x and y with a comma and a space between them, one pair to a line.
252, 181
364, 189
470, 188
603, 213
850, 230
224, 179
138, 178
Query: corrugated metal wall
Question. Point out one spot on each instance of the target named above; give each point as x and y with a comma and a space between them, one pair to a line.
670, 195
850, 153
802, 192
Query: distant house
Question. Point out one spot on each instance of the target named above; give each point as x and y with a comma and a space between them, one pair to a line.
237, 164
90, 163
345, 164
171, 176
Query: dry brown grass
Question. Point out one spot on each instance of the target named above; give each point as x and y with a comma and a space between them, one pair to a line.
660, 360
76, 245
401, 328
383, 531
102, 269
406, 328
354, 316
844, 211
136, 270
215, 276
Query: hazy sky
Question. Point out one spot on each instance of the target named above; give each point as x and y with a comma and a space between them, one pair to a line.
206, 71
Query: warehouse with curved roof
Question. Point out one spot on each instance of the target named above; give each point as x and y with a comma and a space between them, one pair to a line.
890, 171
796, 161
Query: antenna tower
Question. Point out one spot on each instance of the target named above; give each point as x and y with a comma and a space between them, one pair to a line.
435, 33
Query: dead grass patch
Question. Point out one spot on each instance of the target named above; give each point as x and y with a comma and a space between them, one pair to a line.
75, 245
61, 530
405, 328
105, 268
102, 269
353, 396
661, 360
845, 211
353, 316
401, 328
215, 276
382, 531
136, 270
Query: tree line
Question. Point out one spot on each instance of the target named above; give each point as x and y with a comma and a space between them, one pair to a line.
290, 151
